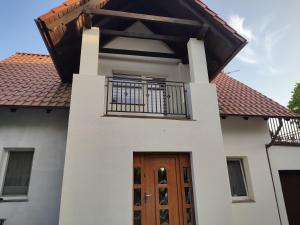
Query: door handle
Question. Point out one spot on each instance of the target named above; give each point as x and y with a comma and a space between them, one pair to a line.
146, 196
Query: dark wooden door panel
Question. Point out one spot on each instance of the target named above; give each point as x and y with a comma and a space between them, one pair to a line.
290, 183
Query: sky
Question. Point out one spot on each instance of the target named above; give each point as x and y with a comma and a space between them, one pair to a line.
269, 63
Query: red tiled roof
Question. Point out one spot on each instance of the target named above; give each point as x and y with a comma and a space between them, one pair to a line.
236, 98
30, 80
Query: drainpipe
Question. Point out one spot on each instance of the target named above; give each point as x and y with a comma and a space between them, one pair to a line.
276, 198
270, 166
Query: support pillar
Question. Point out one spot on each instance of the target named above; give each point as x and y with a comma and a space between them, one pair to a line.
203, 108
197, 61
89, 51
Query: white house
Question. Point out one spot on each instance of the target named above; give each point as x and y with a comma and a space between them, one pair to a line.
130, 120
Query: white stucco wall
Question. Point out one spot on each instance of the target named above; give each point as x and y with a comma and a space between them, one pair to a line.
283, 158
97, 185
247, 138
98, 168
46, 133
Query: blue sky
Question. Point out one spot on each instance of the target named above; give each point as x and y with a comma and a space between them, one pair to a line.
18, 30
269, 63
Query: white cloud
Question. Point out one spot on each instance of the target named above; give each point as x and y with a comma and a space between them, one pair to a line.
247, 55
237, 23
274, 70
262, 41
272, 38
268, 71
265, 23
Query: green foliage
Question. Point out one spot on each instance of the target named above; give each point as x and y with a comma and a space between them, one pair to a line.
294, 103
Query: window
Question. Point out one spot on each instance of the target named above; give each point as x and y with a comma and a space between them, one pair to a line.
127, 90
17, 170
237, 178
147, 92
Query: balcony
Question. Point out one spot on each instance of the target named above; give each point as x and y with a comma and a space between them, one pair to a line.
127, 96
284, 131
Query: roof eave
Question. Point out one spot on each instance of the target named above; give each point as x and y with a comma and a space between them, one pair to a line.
228, 60
72, 9
49, 45
260, 116
221, 114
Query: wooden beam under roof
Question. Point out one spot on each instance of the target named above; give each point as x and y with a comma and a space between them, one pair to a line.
203, 32
139, 53
159, 37
144, 17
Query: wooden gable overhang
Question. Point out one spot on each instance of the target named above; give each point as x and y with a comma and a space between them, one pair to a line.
173, 22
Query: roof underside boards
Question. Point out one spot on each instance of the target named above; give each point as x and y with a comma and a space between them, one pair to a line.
30, 80
61, 30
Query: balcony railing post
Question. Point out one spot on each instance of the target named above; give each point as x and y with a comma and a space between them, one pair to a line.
107, 94
185, 101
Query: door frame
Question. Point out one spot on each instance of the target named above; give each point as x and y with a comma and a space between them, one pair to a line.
182, 164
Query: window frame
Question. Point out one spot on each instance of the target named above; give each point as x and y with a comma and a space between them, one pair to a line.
246, 181
3, 170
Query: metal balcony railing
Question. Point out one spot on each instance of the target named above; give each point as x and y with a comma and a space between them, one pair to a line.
284, 131
145, 96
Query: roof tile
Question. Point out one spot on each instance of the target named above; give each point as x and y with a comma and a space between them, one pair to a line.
30, 80
236, 98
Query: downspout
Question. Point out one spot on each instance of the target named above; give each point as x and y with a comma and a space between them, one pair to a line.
276, 198
270, 166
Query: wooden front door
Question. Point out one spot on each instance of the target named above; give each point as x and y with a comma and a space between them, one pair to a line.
162, 190
290, 184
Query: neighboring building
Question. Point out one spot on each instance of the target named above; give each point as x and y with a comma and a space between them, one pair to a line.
148, 131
